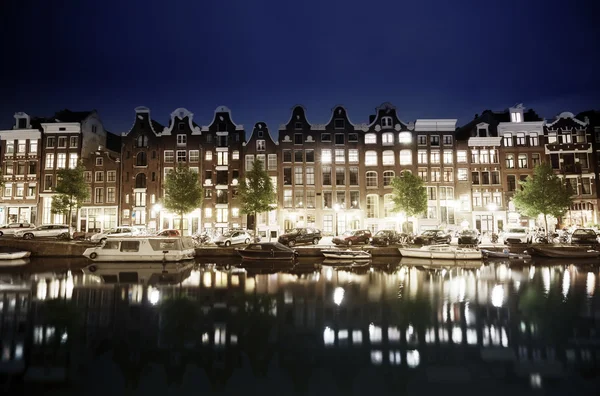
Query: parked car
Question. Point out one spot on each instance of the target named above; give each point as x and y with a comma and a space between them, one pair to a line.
353, 237
83, 235
232, 238
385, 237
432, 237
586, 236
301, 235
47, 230
11, 228
516, 235
122, 231
469, 237
168, 233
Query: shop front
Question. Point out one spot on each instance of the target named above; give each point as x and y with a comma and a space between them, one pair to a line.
16, 213
97, 219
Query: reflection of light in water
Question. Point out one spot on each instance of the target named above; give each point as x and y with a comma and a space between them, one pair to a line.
504, 338
343, 335
535, 381
374, 334
288, 297
497, 296
329, 274
207, 279
328, 336
376, 357
471, 336
546, 279
250, 285
357, 337
502, 272
590, 283
234, 339
220, 336
445, 312
193, 279
19, 351
69, 286
393, 334
444, 272
338, 295
523, 327
54, 288
413, 358
395, 358
566, 283
430, 336
517, 285
531, 272
42, 289
467, 314
205, 338
456, 335
154, 295
443, 335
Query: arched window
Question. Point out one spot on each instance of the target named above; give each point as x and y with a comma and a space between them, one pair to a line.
142, 141
372, 206
388, 157
387, 139
371, 179
370, 138
140, 180
405, 157
388, 176
388, 205
371, 158
141, 159
404, 137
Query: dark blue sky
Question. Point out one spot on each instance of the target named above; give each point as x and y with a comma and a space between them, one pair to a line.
432, 59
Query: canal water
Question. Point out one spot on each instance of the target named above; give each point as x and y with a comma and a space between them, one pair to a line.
387, 327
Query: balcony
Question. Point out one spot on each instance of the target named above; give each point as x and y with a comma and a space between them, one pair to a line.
557, 147
570, 169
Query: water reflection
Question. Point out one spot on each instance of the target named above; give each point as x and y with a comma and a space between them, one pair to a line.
222, 326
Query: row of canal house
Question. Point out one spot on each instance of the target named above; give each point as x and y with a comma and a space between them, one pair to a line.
333, 176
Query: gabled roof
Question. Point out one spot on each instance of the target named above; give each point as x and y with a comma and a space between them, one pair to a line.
593, 117
67, 115
263, 127
492, 118
113, 142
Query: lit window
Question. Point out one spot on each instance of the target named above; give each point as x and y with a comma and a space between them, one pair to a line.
326, 156
405, 157
404, 137
371, 158
208, 156
388, 157
370, 138
387, 139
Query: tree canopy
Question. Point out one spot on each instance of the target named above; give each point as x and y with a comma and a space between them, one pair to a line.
544, 193
256, 191
71, 191
183, 192
409, 194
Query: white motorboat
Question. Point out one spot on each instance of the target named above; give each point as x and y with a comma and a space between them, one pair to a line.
142, 249
14, 255
347, 254
442, 252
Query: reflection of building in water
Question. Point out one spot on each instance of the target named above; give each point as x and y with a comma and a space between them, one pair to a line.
14, 309
439, 323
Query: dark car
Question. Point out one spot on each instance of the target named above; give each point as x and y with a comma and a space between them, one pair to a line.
385, 237
353, 237
300, 235
168, 233
469, 237
433, 237
584, 236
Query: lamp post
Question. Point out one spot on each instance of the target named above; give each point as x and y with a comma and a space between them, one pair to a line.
492, 208
336, 207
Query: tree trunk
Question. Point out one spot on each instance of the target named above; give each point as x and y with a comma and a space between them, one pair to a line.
546, 223
70, 220
181, 225
255, 227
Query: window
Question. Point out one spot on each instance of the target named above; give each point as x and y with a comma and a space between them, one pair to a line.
515, 116
535, 159
141, 159
494, 156
354, 199
298, 175
475, 156
447, 140
462, 174
387, 139
30, 191
33, 146
310, 176
507, 140
388, 176
422, 157
461, 156
477, 199
87, 176
21, 168
495, 177
181, 140
287, 156
435, 175
372, 206
99, 176
141, 141
484, 157
371, 158
340, 176
140, 199
111, 176
404, 138
207, 156
435, 157
310, 155
510, 161
370, 138
534, 140
511, 181
386, 122
19, 190
405, 157
422, 140
298, 155
235, 155
22, 146
432, 193
272, 161
170, 156
287, 198
310, 198
99, 195
194, 155
388, 157
339, 123
520, 139
566, 137
340, 156
552, 137
326, 173
326, 137
586, 185
9, 170
50, 142
32, 168
339, 138
72, 160
448, 157
49, 162
287, 176
62, 142
222, 158
422, 173
522, 161
261, 145
353, 156
249, 161
371, 179
299, 198
434, 140
61, 161
475, 177
353, 137
8, 190
327, 200
485, 177
326, 156
448, 175
353, 170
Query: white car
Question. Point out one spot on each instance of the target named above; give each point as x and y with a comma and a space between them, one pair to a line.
48, 230
10, 229
115, 233
232, 238
516, 235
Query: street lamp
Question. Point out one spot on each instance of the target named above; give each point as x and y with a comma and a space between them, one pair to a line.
336, 207
492, 207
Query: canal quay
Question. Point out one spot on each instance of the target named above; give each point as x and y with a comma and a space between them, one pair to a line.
219, 326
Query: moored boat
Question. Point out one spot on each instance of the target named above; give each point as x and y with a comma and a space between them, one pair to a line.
442, 252
434, 263
142, 249
504, 254
572, 252
14, 263
267, 251
346, 262
14, 255
347, 254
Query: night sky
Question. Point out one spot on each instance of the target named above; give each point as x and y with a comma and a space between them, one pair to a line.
432, 59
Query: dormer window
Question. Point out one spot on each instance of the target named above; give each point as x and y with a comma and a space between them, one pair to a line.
386, 122
181, 126
260, 134
181, 140
339, 123
22, 123
516, 116
481, 132
298, 125
260, 145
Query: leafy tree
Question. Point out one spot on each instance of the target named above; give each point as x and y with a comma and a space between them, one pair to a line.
409, 194
544, 193
72, 191
256, 191
183, 192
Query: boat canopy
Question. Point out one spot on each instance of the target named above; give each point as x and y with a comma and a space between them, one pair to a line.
268, 246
